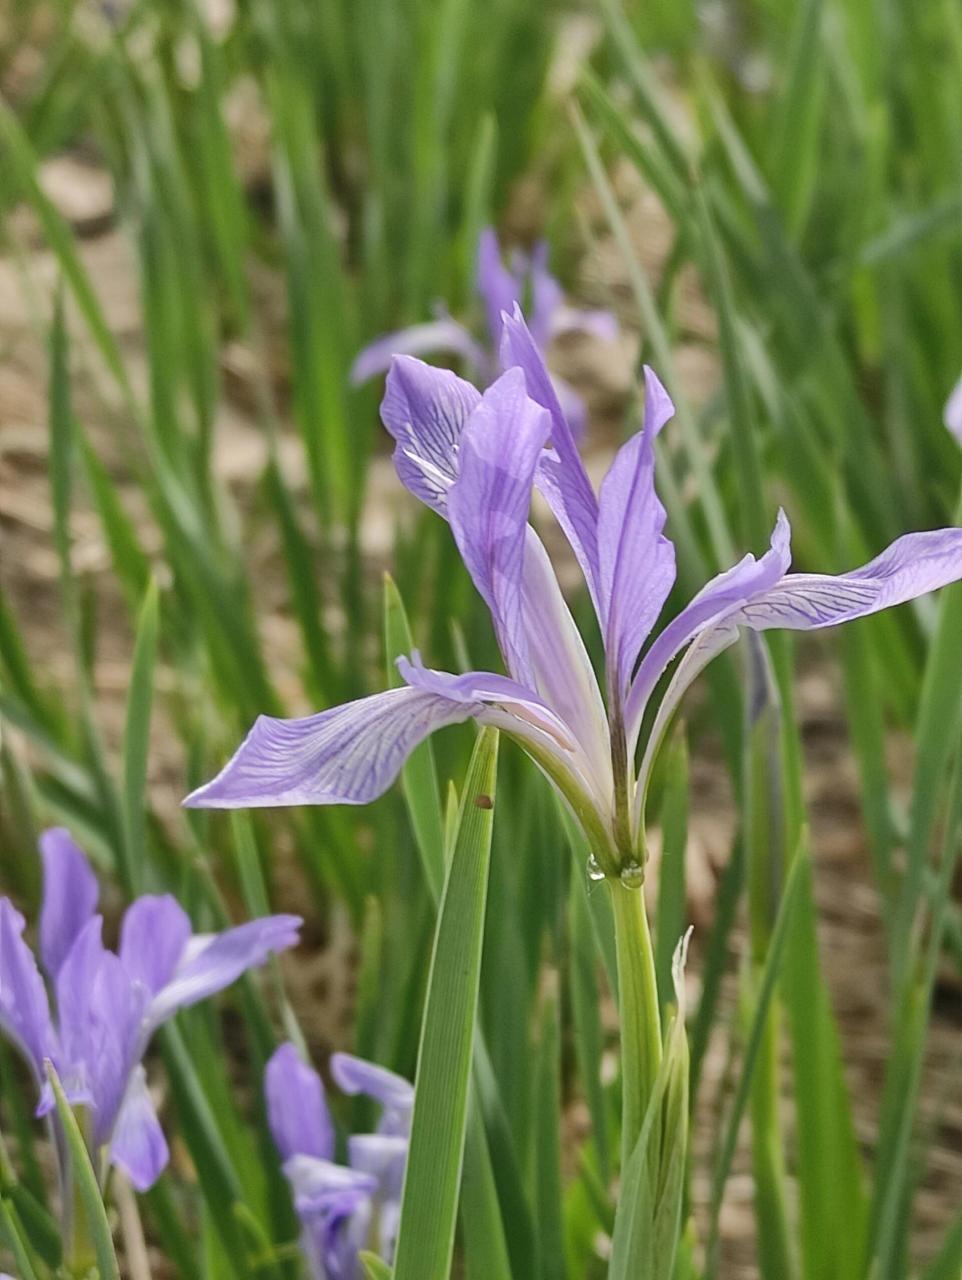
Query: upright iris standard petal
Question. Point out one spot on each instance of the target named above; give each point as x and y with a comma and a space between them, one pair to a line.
561, 476
70, 894
498, 288
395, 1094
348, 755
443, 334
562, 669
220, 963
24, 1007
138, 1145
296, 1108
488, 505
425, 410
153, 937
636, 562
717, 598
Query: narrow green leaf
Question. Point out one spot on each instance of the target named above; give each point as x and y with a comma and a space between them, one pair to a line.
432, 1179
23, 165
86, 1181
137, 740
547, 1110
485, 1248
375, 1267
766, 991
586, 1012
9, 1231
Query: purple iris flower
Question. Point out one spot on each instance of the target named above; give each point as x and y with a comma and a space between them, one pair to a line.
526, 280
475, 458
342, 1209
109, 1005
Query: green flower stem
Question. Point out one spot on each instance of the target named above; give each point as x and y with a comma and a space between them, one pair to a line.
638, 1011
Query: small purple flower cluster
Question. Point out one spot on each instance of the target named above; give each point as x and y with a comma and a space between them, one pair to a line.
342, 1208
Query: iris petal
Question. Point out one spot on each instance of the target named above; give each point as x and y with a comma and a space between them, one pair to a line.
70, 894
443, 334
636, 562
425, 410
348, 755
489, 503
296, 1107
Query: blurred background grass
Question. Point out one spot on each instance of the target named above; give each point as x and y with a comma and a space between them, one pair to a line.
228, 200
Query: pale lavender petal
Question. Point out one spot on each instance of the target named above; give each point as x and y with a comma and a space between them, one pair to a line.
710, 642
636, 561
70, 894
226, 957
418, 340
953, 411
489, 503
100, 1013
499, 289
24, 1008
913, 565
425, 410
153, 937
395, 1094
383, 1156
297, 1111
561, 476
138, 1145
520, 712
336, 1206
562, 669
488, 687
348, 755
717, 598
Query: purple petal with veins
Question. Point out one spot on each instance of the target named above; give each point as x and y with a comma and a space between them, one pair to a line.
488, 505
561, 476
348, 755
716, 598
425, 410
636, 562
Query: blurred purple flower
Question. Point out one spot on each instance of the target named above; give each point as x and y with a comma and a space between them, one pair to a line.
342, 1209
475, 459
953, 411
500, 288
109, 1005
